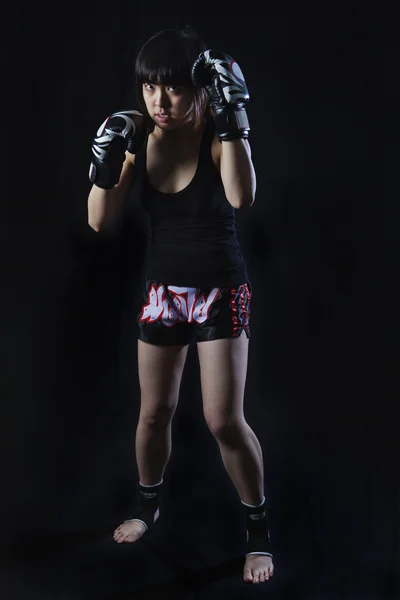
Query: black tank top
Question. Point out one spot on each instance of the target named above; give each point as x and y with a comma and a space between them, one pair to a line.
193, 236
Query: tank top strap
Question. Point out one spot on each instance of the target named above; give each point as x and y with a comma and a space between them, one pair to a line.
207, 137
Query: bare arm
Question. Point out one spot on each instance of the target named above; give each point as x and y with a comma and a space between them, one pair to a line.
104, 206
237, 171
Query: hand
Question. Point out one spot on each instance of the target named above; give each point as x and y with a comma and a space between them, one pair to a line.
122, 131
223, 79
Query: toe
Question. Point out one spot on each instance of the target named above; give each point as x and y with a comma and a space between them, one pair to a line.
247, 576
119, 536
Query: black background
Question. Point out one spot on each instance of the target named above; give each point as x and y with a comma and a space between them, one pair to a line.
321, 243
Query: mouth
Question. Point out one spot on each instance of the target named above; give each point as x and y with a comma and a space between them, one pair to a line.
162, 117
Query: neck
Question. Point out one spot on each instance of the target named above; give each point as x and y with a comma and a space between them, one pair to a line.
185, 132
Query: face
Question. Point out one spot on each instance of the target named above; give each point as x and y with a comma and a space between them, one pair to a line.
167, 105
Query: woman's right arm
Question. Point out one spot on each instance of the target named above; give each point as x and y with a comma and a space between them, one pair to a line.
104, 206
112, 169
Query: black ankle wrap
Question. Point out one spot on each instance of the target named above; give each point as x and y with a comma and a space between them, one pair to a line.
147, 510
258, 540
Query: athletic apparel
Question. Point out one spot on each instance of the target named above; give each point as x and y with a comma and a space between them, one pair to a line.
148, 508
175, 315
193, 234
258, 537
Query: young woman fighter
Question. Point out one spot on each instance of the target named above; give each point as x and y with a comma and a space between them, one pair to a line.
188, 143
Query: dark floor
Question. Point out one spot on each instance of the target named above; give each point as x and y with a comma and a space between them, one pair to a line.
334, 523
165, 565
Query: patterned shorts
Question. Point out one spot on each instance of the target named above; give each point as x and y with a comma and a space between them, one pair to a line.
172, 315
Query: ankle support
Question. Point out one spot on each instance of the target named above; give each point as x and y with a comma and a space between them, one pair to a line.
258, 538
147, 510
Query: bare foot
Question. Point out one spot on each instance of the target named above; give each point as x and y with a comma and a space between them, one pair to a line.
258, 568
130, 531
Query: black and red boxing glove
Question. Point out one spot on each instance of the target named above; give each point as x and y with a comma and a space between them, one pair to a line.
121, 131
223, 79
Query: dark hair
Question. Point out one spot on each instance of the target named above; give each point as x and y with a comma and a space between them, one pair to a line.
167, 58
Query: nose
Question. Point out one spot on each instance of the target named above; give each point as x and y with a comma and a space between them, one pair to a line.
161, 98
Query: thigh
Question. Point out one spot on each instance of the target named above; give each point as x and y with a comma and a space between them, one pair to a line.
223, 370
160, 373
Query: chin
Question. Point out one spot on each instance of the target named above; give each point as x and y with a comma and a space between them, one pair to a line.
168, 126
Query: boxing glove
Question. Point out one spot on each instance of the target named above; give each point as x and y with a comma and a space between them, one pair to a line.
121, 131
223, 79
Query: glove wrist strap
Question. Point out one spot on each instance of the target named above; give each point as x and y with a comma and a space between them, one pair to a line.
231, 123
106, 171
103, 176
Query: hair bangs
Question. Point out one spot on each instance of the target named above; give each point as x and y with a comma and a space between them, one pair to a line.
167, 65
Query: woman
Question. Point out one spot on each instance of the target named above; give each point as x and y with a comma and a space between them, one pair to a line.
189, 147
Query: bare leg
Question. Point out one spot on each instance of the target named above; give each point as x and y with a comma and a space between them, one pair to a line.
160, 374
223, 365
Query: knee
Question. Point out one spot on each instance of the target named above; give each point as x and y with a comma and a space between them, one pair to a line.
156, 418
225, 429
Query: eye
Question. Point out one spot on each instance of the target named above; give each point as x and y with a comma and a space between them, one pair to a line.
148, 86
176, 89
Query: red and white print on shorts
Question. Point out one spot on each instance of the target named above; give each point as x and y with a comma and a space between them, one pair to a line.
176, 315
